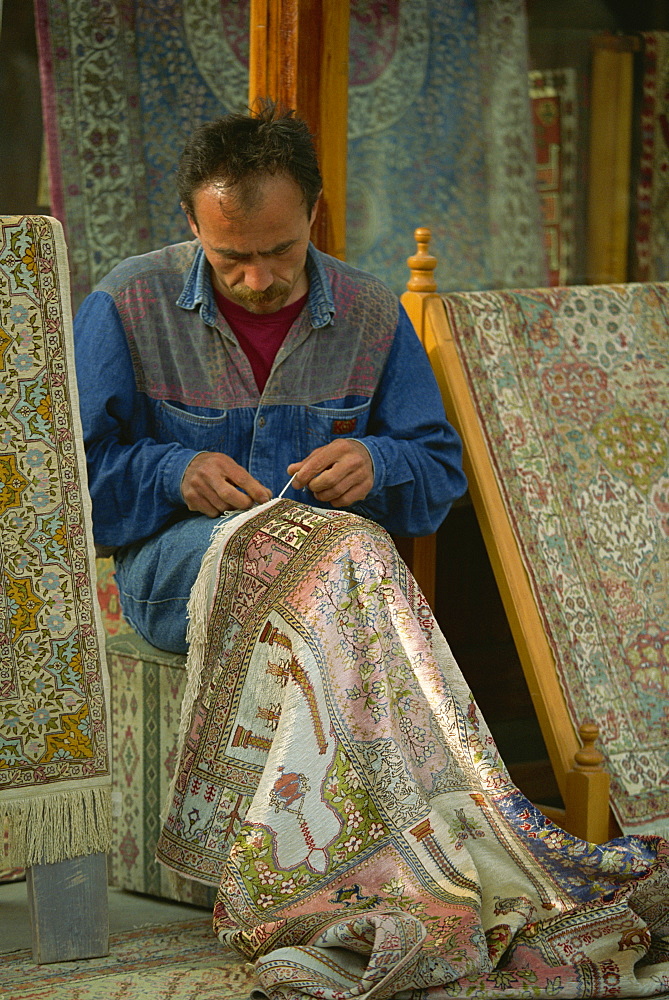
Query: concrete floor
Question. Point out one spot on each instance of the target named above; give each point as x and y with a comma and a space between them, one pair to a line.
127, 911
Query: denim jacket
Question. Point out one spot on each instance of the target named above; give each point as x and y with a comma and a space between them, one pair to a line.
162, 377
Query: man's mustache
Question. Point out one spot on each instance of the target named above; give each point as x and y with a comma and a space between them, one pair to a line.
256, 297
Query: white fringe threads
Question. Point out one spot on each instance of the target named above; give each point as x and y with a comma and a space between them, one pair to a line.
199, 609
45, 829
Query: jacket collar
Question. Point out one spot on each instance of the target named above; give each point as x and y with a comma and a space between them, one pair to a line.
197, 290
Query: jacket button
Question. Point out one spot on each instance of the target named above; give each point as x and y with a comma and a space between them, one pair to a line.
261, 422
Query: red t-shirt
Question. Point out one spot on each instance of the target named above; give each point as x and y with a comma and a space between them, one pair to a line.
259, 336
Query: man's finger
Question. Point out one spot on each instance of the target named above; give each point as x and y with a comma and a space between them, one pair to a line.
322, 459
339, 473
214, 483
303, 472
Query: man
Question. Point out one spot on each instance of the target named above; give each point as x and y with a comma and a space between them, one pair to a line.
212, 372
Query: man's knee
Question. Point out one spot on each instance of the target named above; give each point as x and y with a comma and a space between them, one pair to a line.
155, 578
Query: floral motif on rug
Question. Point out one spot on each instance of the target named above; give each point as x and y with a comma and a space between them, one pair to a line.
337, 775
572, 390
54, 760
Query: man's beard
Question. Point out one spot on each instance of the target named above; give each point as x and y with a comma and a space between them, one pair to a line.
277, 293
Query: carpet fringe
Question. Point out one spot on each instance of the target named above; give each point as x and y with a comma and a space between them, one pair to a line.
196, 637
45, 829
199, 607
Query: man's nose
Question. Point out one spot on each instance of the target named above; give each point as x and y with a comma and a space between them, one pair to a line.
258, 275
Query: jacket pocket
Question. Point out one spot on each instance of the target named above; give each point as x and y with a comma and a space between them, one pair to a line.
201, 431
326, 423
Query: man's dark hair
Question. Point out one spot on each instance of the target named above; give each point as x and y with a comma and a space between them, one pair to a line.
239, 150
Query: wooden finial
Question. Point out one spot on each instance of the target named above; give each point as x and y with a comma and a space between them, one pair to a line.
422, 264
587, 789
588, 758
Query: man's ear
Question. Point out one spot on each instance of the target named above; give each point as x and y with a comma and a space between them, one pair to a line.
191, 221
314, 211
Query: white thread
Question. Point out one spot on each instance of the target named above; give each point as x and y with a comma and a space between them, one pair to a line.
286, 487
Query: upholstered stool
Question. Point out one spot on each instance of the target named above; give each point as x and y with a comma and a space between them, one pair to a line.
147, 686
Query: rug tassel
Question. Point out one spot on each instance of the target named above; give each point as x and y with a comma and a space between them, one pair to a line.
45, 829
196, 637
199, 606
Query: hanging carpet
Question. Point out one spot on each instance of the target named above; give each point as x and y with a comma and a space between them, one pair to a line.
447, 125
54, 757
650, 241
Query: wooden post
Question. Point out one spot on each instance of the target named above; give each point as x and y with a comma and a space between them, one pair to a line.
587, 812
299, 57
68, 909
420, 554
422, 264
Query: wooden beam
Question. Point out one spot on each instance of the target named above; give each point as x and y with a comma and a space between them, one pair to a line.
299, 57
68, 909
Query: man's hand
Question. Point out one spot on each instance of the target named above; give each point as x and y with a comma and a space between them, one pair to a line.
340, 472
214, 483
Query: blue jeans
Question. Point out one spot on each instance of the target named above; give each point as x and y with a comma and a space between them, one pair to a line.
155, 578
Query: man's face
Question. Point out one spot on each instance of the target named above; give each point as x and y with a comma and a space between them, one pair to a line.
257, 255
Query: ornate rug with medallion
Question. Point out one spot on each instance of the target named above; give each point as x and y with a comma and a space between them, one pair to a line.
572, 390
54, 757
338, 780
